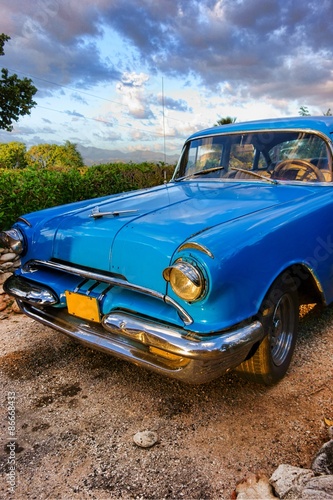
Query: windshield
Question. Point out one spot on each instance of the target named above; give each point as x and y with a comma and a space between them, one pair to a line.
275, 155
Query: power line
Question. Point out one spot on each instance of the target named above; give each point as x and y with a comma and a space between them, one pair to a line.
99, 120
87, 93
65, 87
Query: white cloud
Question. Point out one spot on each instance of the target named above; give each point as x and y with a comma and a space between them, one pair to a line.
217, 57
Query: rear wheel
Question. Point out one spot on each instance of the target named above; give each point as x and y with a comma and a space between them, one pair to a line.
279, 316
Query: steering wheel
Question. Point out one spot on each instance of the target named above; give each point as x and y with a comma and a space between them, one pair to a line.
306, 171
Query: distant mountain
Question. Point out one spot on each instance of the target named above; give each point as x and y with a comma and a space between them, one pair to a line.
96, 156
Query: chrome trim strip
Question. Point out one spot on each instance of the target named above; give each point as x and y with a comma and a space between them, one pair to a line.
29, 267
196, 246
22, 219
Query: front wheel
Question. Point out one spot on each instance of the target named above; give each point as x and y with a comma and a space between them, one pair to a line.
279, 316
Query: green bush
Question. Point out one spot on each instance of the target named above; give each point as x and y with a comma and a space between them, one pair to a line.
30, 189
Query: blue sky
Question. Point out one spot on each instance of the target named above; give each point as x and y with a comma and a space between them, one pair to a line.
145, 74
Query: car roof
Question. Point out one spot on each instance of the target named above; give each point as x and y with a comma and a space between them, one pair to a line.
322, 124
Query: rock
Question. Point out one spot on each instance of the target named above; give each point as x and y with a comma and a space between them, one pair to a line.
3, 305
5, 257
6, 265
320, 488
323, 461
288, 481
15, 308
254, 486
4, 277
145, 439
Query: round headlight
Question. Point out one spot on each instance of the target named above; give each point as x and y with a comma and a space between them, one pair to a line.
186, 280
12, 239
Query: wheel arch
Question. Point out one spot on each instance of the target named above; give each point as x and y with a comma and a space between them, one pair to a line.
308, 285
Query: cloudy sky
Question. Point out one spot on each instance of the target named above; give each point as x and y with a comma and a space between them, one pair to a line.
144, 74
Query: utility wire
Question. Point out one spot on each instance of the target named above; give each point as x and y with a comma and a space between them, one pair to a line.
85, 93
99, 120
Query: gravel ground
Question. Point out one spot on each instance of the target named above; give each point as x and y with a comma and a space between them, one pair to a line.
77, 411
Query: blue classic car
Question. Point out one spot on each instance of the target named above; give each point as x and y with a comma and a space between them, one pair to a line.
203, 274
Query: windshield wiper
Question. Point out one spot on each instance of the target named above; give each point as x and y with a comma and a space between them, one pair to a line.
199, 172
255, 174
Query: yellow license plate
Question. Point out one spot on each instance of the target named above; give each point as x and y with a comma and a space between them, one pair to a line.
83, 306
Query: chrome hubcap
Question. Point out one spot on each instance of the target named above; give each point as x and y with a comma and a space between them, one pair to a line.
282, 330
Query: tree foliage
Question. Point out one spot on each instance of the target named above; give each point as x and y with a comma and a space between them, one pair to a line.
13, 155
15, 94
303, 111
30, 189
54, 156
225, 121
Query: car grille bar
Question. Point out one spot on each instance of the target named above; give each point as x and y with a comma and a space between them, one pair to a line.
32, 265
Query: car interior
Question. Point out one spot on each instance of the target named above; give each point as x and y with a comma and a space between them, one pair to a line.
277, 155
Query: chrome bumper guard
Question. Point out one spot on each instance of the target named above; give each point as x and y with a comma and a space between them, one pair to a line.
167, 351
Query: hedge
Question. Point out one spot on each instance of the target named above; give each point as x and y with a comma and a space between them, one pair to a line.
29, 190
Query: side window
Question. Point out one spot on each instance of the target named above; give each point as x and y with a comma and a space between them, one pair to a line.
241, 156
262, 163
204, 154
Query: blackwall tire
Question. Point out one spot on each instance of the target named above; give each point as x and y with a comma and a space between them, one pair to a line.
279, 315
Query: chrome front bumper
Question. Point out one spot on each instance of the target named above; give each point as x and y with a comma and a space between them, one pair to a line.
166, 350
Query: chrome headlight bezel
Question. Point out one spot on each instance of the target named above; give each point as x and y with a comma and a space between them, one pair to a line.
187, 280
14, 240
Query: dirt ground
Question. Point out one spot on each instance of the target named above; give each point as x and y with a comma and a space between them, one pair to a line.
77, 410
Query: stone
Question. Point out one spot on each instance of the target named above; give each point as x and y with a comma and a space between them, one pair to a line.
145, 439
5, 257
320, 488
3, 306
288, 481
15, 308
6, 265
254, 486
3, 302
323, 461
4, 277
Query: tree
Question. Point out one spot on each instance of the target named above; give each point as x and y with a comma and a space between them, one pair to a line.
303, 111
225, 121
12, 155
15, 94
67, 156
54, 156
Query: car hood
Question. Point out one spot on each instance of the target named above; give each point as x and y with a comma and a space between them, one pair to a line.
136, 234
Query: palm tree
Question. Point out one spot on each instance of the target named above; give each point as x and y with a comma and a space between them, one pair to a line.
225, 121
303, 111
